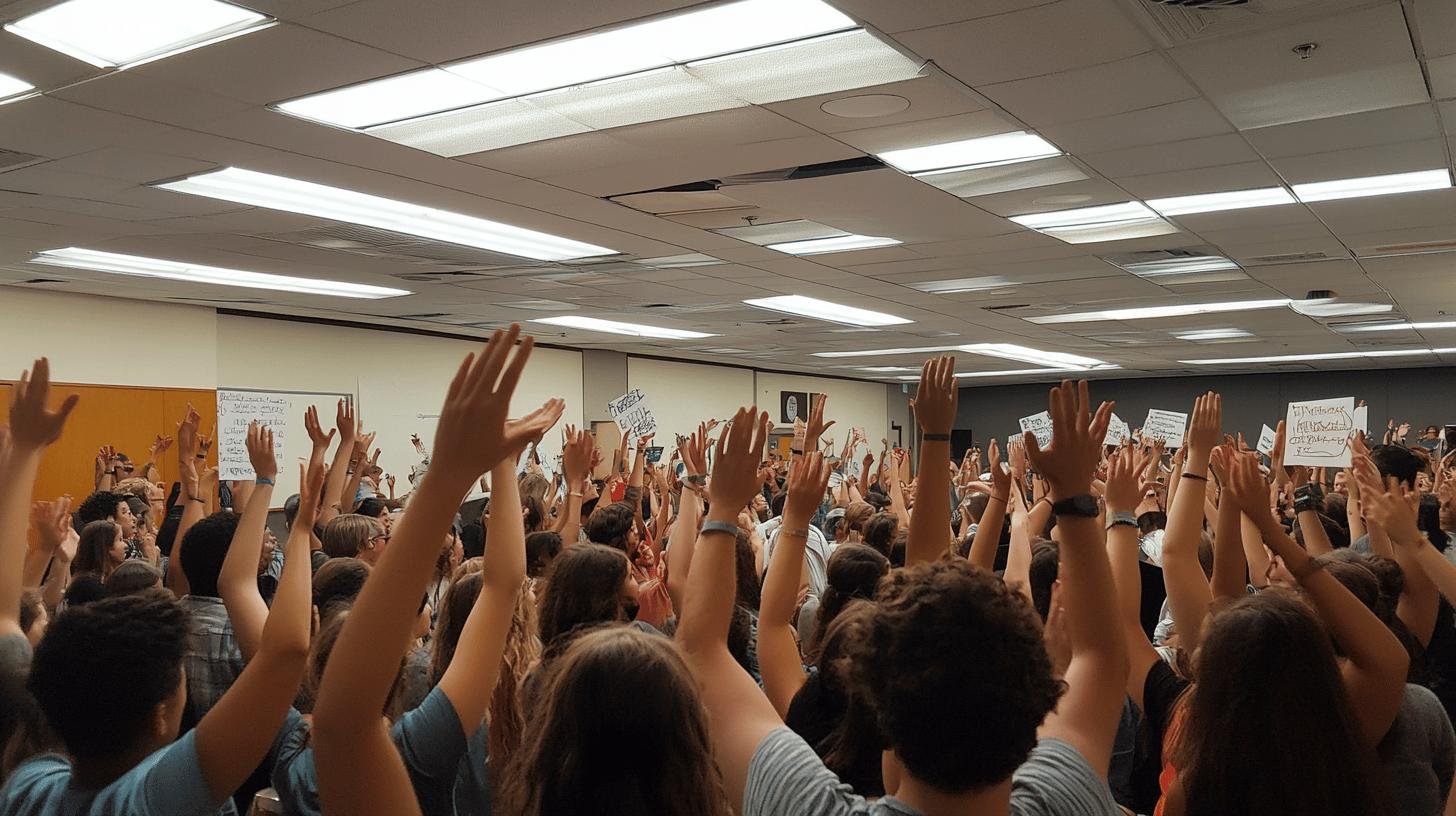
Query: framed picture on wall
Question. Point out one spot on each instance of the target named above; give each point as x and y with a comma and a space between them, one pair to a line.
793, 405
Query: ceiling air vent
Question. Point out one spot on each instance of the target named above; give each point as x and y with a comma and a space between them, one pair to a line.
14, 160
1292, 257
1418, 248
1179, 21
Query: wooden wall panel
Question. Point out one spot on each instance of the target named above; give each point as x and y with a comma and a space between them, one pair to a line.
126, 417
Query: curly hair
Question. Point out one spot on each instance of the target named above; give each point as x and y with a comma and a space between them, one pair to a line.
610, 525
620, 727
953, 664
854, 572
204, 548
98, 506
104, 667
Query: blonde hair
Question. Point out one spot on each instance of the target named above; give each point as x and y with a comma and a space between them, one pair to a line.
348, 535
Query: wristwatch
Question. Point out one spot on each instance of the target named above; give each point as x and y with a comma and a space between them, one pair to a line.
1304, 498
1116, 517
1084, 505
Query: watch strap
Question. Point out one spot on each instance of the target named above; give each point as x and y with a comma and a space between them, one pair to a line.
1116, 517
1083, 505
720, 527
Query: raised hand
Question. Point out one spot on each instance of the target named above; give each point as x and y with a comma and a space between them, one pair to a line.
816, 425
51, 521
808, 479
1000, 477
345, 422
1124, 489
204, 444
695, 454
472, 435
363, 442
1076, 447
260, 451
935, 400
1246, 486
576, 456
530, 428
32, 425
735, 463
187, 435
316, 435
1390, 505
1204, 427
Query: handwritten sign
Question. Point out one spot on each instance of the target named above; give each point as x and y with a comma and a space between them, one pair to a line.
1168, 426
1117, 431
631, 414
1040, 425
1362, 418
1266, 440
1318, 432
235, 409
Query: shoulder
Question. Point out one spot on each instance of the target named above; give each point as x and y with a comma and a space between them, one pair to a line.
1057, 779
14, 653
34, 782
786, 776
1425, 707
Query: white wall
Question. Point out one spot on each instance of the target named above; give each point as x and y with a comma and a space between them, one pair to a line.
107, 341
683, 394
851, 403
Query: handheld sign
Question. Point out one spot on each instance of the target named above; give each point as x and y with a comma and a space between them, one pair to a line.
631, 414
1117, 431
235, 410
1040, 425
1318, 432
1168, 426
1266, 440
1362, 418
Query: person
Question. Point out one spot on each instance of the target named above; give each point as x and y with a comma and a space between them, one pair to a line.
541, 550
355, 536
588, 584
131, 577
109, 675
101, 550
335, 586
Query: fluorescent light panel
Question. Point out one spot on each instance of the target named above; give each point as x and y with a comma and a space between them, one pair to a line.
142, 267
1218, 202
13, 86
827, 311
887, 369
338, 204
1005, 148
1341, 355
958, 285
617, 327
1329, 307
1423, 326
1210, 335
1373, 185
1050, 359
1174, 267
890, 352
108, 33
1147, 312
1111, 222
835, 243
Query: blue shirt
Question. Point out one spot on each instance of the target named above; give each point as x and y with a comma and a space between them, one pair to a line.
430, 742
168, 781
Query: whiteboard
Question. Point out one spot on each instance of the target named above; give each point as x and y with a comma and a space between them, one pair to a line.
283, 412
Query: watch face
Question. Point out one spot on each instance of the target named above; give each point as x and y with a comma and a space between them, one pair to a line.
1083, 505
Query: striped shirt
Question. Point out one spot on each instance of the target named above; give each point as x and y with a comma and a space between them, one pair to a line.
786, 777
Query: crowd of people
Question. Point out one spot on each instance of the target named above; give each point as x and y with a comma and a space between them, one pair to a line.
1062, 628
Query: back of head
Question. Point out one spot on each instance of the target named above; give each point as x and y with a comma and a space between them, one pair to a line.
203, 549
534, 485
856, 514
92, 551
373, 507
85, 588
533, 512
1254, 741
541, 549
290, 510
131, 577
347, 535
583, 588
954, 666
97, 506
472, 540
1397, 461
620, 728
453, 612
879, 532
102, 670
610, 525
1046, 562
337, 583
854, 573
976, 503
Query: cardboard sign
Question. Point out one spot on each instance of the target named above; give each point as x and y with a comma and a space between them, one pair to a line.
1362, 418
1168, 426
631, 414
1266, 440
1318, 432
235, 409
1040, 425
1117, 431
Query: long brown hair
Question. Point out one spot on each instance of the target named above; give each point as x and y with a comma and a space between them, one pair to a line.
854, 571
93, 553
619, 727
1269, 728
583, 588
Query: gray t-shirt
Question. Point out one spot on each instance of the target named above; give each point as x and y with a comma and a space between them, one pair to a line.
785, 776
1418, 754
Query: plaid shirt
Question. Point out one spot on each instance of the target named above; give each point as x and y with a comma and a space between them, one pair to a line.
213, 660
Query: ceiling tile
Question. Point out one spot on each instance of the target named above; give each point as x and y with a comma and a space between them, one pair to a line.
1346, 132
583, 151
1246, 176
1363, 161
1116, 87
994, 49
1088, 193
929, 97
1189, 119
52, 128
1189, 154
1364, 62
929, 131
1443, 76
1435, 24
894, 18
149, 98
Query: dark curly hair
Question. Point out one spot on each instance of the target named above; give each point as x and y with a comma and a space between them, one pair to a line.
854, 572
953, 664
879, 532
102, 669
98, 506
541, 549
610, 525
203, 549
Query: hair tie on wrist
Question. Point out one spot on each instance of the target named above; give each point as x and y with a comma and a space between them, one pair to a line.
1195, 476
264, 480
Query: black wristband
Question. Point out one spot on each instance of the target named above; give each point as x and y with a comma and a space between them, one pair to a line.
1188, 475
935, 437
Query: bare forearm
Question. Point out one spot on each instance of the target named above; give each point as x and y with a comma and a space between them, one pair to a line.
684, 541
1229, 569
988, 533
1316, 540
1188, 591
707, 605
17, 484
927, 540
1254, 552
1088, 591
334, 485
238, 580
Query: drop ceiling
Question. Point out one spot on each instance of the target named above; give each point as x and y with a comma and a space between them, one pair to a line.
1145, 101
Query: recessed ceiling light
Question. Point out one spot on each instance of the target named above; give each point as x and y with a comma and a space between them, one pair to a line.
825, 310
402, 96
958, 285
338, 204
1175, 267
689, 260
887, 369
890, 352
1005, 148
138, 266
13, 86
1401, 326
1050, 359
1148, 312
617, 327
1007, 373
1329, 307
108, 34
1218, 202
1373, 185
1341, 355
1111, 222
1211, 335
836, 243
866, 106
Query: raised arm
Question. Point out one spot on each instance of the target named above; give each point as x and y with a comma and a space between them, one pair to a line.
988, 532
576, 462
1088, 713
740, 714
1188, 591
33, 428
1230, 572
1375, 673
1420, 600
935, 411
235, 734
683, 540
348, 428
359, 770
471, 677
779, 660
1124, 493
237, 583
1018, 559
194, 504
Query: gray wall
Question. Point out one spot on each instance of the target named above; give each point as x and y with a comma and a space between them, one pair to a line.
1421, 396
